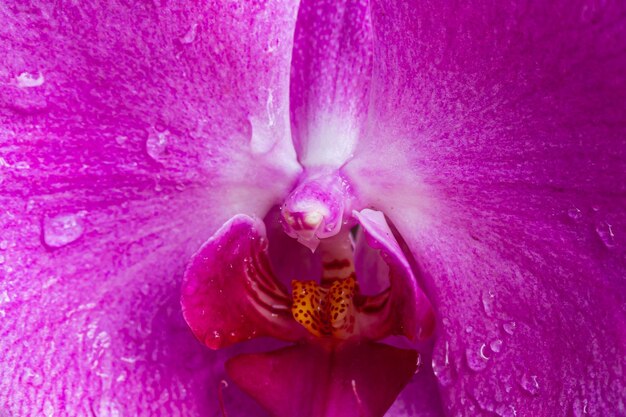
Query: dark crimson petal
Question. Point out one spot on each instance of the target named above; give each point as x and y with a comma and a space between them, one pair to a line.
229, 291
405, 310
357, 380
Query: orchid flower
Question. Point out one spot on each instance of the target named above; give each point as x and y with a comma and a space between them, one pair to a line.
440, 187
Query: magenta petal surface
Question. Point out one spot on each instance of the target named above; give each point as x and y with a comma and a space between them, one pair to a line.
129, 132
230, 293
311, 381
330, 78
497, 148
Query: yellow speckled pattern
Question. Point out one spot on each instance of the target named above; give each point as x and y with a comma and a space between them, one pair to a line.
325, 311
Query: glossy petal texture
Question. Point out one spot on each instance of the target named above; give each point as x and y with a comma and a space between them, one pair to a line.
330, 78
229, 291
409, 312
497, 146
310, 381
129, 132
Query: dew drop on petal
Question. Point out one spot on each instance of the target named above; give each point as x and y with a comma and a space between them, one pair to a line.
190, 36
606, 234
506, 411
488, 300
530, 384
496, 345
580, 408
62, 229
441, 363
28, 80
574, 213
156, 144
477, 357
509, 327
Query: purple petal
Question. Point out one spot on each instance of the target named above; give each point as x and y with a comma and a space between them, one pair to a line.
503, 168
129, 132
312, 381
330, 78
409, 312
230, 293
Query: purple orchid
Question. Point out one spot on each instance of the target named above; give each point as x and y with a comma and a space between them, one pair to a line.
462, 164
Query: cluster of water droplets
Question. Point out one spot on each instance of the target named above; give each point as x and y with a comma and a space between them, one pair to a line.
604, 229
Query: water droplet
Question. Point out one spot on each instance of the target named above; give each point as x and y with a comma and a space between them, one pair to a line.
488, 300
580, 408
506, 411
574, 213
441, 363
509, 327
606, 234
496, 345
190, 36
477, 357
28, 80
120, 140
156, 144
469, 329
4, 245
530, 384
63, 229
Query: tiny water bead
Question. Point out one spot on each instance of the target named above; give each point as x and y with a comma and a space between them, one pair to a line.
477, 357
488, 301
62, 229
574, 213
530, 384
28, 80
190, 36
441, 363
156, 144
496, 345
606, 234
509, 327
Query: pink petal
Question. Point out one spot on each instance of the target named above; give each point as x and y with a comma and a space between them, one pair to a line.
129, 133
312, 381
408, 311
230, 293
330, 78
497, 148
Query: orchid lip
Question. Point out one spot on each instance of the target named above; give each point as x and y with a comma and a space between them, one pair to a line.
230, 294
234, 271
